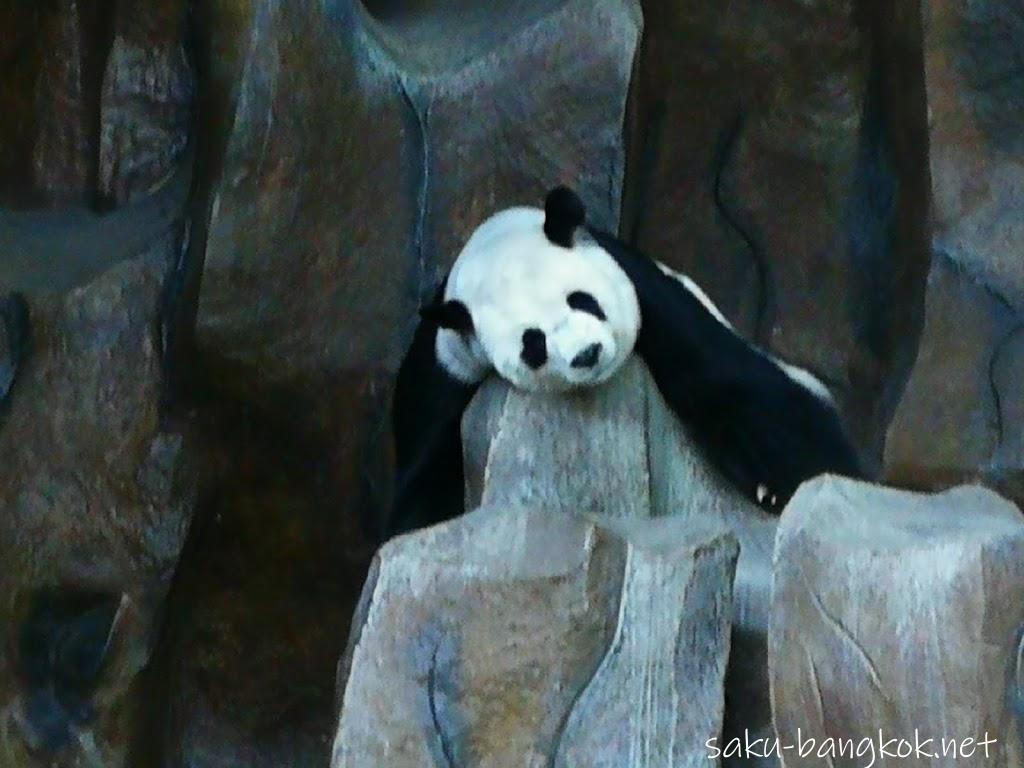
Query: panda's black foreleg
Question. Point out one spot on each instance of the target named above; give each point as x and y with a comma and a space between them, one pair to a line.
771, 436
426, 424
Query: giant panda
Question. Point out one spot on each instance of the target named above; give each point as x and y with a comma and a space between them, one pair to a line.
551, 304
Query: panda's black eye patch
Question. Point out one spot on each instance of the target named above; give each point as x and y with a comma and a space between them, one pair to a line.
582, 301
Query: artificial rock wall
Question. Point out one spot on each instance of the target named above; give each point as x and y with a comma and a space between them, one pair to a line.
318, 164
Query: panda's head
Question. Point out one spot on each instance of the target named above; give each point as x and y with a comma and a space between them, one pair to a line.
532, 297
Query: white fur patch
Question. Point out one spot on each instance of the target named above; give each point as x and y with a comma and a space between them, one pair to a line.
512, 278
698, 293
799, 376
462, 358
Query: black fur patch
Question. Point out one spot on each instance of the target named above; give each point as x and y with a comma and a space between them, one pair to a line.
452, 315
426, 419
563, 213
764, 432
582, 301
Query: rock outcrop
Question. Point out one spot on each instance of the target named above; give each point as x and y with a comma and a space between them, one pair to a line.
513, 637
350, 173
617, 451
146, 103
97, 498
964, 393
962, 415
616, 456
66, 101
96, 98
898, 614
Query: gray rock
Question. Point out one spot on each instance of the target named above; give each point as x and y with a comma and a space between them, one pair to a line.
898, 612
658, 696
617, 451
513, 637
97, 499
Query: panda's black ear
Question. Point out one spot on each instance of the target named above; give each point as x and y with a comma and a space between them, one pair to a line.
451, 314
563, 213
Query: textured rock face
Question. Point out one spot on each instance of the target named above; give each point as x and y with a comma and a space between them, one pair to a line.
467, 651
898, 612
962, 415
780, 158
96, 503
305, 247
97, 98
146, 101
975, 86
66, 102
350, 174
617, 451
964, 393
405, 153
19, 64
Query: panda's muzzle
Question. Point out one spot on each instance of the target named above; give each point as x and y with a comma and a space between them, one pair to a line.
588, 357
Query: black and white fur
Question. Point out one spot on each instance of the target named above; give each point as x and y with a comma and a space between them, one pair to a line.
550, 304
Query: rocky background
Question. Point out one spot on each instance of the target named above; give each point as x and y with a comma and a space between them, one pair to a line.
220, 216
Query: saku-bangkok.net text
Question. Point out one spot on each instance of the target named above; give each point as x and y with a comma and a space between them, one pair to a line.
869, 749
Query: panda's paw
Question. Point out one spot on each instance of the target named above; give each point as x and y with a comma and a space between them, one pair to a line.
766, 498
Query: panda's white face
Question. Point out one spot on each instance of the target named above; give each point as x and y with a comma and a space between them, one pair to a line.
546, 318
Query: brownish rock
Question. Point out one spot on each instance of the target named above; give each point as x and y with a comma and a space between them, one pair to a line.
780, 157
19, 71
962, 414
405, 153
64, 149
146, 104
349, 175
310, 233
973, 52
262, 601
97, 501
525, 133
222, 37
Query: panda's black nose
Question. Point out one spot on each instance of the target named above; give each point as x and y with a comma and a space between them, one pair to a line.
588, 357
535, 348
